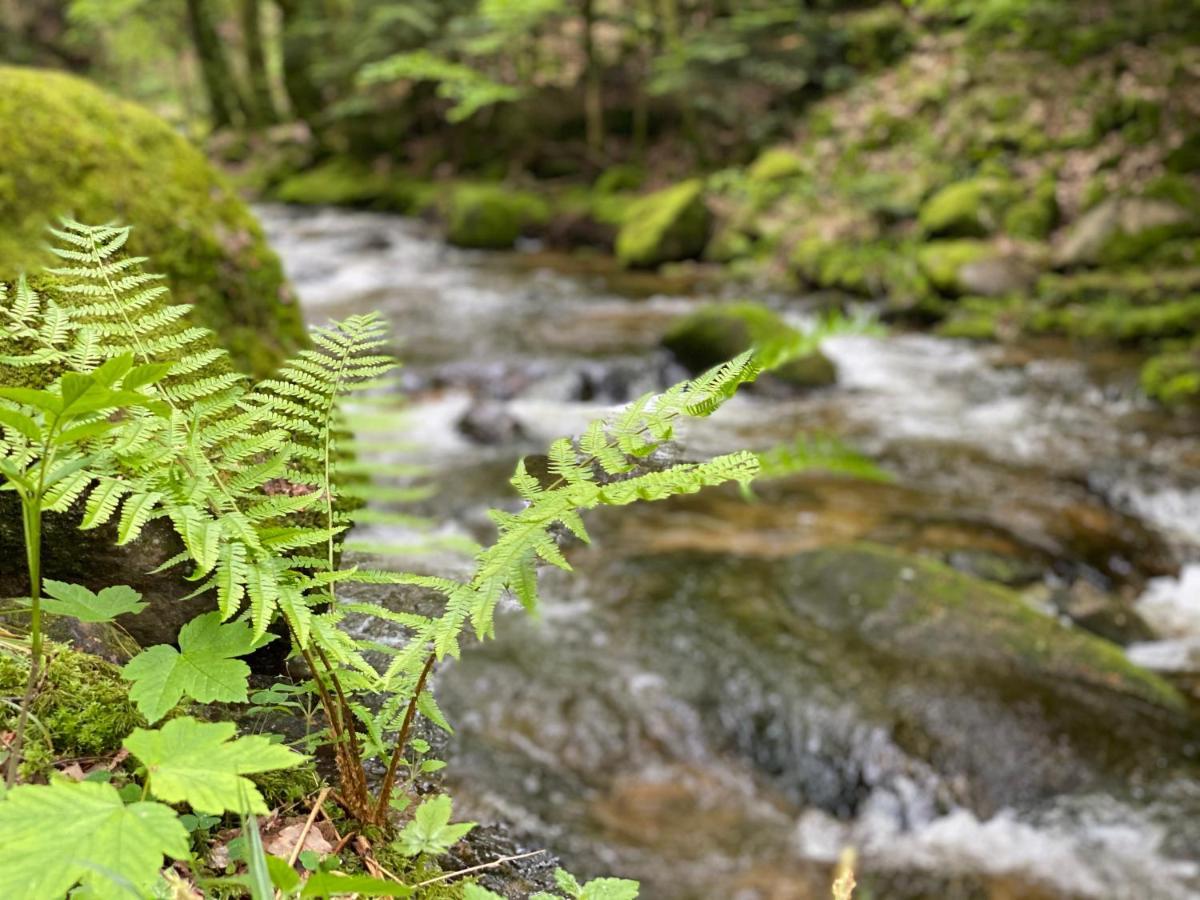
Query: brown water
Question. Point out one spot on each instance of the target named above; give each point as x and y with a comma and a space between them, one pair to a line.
692, 709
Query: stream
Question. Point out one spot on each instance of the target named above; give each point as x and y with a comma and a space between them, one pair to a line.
700, 705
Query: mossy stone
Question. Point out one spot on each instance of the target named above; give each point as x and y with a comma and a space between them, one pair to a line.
82, 710
942, 261
341, 182
1173, 378
491, 217
971, 208
776, 164
67, 147
616, 179
714, 334
666, 226
1185, 158
1034, 217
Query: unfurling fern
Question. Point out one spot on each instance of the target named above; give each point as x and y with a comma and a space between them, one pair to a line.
260, 486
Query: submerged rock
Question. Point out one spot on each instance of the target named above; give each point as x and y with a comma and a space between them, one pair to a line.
669, 225
67, 147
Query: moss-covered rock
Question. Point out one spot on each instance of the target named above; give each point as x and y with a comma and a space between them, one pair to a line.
714, 334
1173, 377
617, 179
1122, 230
1034, 217
666, 226
491, 217
868, 269
971, 208
776, 164
67, 147
341, 182
943, 261
82, 710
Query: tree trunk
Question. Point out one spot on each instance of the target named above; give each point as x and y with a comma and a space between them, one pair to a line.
302, 91
593, 98
256, 63
224, 101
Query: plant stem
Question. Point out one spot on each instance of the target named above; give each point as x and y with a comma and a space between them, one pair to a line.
31, 515
385, 791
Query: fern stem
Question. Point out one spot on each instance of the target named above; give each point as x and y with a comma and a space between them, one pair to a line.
31, 516
389, 780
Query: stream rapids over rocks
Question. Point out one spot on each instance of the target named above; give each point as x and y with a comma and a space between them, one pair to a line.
937, 670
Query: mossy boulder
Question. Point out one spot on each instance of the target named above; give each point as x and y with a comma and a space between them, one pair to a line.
82, 710
1173, 377
1035, 216
776, 164
971, 208
617, 179
67, 147
1123, 230
491, 217
714, 334
341, 182
942, 262
666, 226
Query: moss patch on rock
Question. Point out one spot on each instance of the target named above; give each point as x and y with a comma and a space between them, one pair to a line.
971, 208
341, 182
82, 709
491, 217
714, 334
942, 261
666, 226
67, 147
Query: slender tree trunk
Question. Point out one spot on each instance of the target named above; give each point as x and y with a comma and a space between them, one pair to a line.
303, 93
224, 101
593, 99
256, 63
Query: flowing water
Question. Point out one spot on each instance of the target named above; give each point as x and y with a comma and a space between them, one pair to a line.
710, 703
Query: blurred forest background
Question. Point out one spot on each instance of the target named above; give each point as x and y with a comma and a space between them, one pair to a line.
996, 167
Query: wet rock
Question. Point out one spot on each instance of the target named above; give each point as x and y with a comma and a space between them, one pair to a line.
1121, 230
666, 226
1102, 613
489, 422
715, 334
516, 878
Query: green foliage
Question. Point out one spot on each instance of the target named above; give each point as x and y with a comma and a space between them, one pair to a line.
430, 830
668, 225
196, 763
596, 889
467, 89
204, 667
79, 602
113, 849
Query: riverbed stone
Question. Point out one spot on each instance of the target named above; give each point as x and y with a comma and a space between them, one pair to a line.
1122, 230
491, 217
667, 226
971, 208
943, 262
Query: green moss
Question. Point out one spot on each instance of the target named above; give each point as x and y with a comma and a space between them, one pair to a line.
714, 334
1173, 377
877, 37
1185, 158
1035, 216
344, 183
776, 164
669, 225
68, 147
869, 269
283, 788
971, 208
83, 709
491, 216
617, 179
1136, 119
941, 261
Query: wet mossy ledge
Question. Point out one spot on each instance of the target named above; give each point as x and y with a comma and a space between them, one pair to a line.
69, 148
